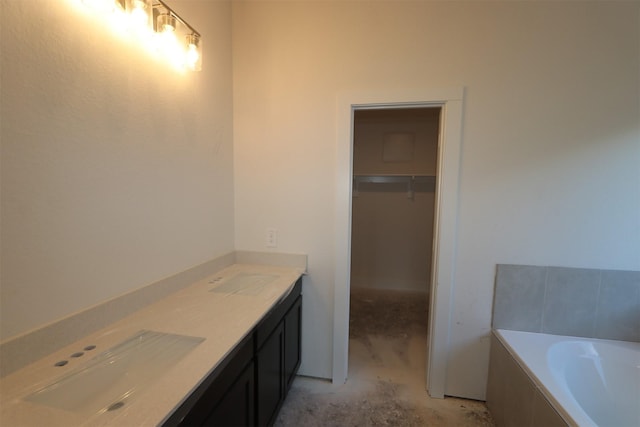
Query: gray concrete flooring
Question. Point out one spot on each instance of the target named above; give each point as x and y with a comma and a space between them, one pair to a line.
387, 363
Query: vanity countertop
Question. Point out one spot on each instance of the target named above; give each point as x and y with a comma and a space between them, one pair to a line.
213, 308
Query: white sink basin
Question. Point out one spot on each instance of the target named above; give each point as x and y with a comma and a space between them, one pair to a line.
111, 379
244, 284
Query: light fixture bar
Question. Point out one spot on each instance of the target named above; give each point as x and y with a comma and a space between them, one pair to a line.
159, 4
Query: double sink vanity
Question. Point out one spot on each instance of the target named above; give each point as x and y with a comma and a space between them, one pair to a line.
222, 351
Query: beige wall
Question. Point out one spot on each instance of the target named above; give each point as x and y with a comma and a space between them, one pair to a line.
391, 240
550, 149
116, 170
374, 128
392, 234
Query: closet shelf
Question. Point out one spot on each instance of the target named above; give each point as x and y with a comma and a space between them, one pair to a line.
393, 179
409, 180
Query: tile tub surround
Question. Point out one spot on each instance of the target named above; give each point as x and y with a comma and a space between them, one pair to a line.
568, 301
221, 319
17, 352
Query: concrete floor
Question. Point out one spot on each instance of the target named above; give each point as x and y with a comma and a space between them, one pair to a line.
386, 385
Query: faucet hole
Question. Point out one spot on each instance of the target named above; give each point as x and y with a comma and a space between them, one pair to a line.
116, 405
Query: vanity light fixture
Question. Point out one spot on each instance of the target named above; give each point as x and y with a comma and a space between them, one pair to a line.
157, 25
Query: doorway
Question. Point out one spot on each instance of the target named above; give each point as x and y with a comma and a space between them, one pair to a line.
393, 200
445, 222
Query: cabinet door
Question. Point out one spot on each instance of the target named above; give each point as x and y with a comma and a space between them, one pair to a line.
292, 344
226, 397
270, 376
236, 408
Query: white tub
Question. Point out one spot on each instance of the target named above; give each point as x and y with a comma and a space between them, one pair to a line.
590, 382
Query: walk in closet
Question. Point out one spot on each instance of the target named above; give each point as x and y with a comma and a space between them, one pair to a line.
394, 171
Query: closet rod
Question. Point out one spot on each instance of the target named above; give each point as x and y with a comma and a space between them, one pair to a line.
408, 180
393, 179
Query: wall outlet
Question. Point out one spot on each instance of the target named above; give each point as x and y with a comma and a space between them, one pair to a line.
272, 238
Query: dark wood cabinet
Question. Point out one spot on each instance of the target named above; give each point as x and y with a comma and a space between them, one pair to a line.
269, 376
277, 355
236, 407
292, 342
226, 397
250, 385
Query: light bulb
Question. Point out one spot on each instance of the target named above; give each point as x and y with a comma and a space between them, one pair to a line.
140, 12
168, 44
166, 23
193, 56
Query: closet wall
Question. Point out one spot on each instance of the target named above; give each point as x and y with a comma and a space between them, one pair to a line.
392, 227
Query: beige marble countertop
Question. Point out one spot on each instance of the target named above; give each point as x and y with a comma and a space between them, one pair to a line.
222, 319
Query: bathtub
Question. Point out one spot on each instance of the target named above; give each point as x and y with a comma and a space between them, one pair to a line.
589, 382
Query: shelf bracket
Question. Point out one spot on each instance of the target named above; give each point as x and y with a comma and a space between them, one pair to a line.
410, 190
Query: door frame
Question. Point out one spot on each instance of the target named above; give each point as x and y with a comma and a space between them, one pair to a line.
445, 221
